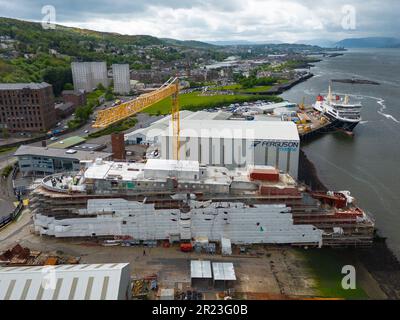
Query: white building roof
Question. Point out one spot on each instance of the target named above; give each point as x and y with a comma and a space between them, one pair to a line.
158, 127
228, 129
104, 169
226, 243
62, 282
271, 106
128, 171
171, 165
200, 269
223, 271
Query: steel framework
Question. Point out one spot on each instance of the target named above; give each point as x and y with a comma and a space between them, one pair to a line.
125, 110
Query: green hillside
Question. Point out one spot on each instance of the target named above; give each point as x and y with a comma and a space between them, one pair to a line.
35, 54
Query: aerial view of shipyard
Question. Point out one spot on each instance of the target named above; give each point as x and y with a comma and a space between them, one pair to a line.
226, 152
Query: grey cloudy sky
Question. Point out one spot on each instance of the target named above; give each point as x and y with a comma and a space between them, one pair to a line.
254, 20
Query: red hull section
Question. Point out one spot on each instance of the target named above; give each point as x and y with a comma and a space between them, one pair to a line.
265, 175
336, 200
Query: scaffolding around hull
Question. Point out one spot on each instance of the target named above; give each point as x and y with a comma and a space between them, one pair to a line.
242, 224
144, 202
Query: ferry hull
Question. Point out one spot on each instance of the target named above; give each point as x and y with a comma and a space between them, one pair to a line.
336, 124
342, 125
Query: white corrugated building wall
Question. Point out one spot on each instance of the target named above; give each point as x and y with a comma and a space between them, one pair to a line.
109, 281
236, 143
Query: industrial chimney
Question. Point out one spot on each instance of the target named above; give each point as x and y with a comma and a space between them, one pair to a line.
118, 146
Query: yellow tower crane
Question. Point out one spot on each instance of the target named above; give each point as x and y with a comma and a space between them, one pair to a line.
302, 105
127, 109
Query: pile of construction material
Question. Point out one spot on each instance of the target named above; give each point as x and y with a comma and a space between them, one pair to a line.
141, 288
19, 255
188, 295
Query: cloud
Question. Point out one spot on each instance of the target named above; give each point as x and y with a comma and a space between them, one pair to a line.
256, 20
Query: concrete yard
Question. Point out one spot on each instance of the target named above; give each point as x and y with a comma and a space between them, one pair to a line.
263, 272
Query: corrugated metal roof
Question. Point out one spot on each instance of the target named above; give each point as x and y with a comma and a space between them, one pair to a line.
20, 86
62, 282
200, 269
223, 271
165, 164
265, 130
159, 126
25, 150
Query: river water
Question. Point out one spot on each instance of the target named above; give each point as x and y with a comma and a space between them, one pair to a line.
367, 164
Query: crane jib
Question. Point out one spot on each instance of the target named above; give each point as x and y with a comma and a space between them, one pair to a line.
127, 109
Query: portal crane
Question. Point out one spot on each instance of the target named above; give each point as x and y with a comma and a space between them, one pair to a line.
127, 109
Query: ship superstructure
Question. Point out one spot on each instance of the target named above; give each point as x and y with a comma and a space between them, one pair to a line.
183, 200
342, 114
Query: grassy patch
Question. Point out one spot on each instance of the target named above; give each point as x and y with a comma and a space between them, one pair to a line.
238, 88
115, 128
257, 89
194, 102
75, 124
230, 87
326, 266
7, 170
94, 96
7, 149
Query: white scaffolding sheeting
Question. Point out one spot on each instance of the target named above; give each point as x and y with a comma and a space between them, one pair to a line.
236, 222
223, 271
226, 246
200, 269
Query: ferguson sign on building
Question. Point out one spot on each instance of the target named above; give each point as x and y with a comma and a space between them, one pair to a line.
236, 143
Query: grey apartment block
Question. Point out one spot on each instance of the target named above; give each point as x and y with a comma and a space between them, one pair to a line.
87, 75
121, 78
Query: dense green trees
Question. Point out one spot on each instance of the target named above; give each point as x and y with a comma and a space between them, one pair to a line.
109, 94
68, 86
82, 113
253, 81
37, 68
57, 77
46, 55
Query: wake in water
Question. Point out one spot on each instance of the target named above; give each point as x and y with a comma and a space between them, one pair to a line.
379, 101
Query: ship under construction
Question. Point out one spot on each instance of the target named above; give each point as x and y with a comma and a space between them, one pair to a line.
182, 201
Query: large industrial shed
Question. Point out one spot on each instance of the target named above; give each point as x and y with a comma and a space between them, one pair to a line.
66, 282
237, 143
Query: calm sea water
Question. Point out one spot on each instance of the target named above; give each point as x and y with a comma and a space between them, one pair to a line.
368, 164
